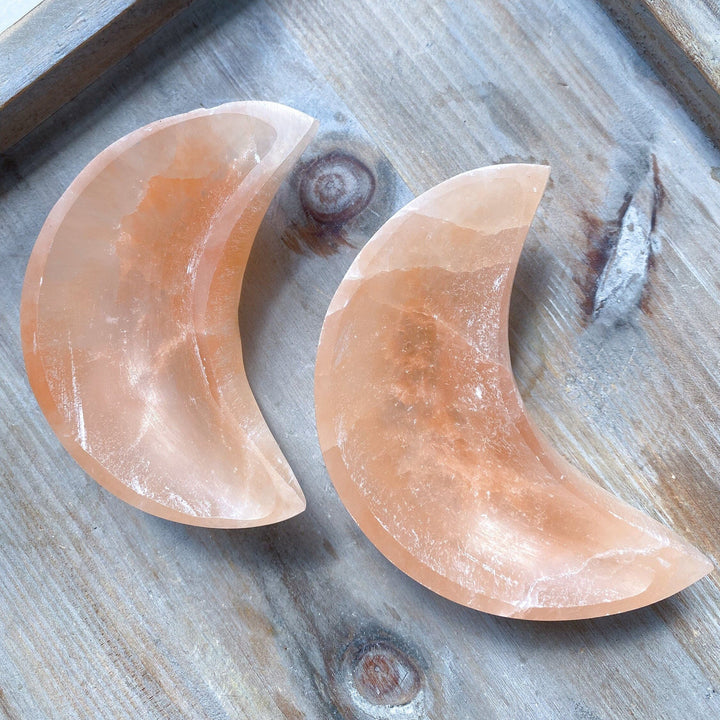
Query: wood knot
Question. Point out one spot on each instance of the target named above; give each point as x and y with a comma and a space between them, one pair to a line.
384, 675
381, 680
336, 187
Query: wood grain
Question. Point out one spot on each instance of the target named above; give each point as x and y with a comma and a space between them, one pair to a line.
695, 27
60, 47
110, 613
681, 42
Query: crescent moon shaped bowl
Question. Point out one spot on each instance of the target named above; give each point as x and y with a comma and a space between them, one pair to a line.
129, 315
426, 438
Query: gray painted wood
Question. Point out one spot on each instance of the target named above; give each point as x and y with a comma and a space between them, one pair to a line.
681, 42
106, 612
695, 26
60, 47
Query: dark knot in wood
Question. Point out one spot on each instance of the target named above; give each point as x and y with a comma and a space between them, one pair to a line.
382, 674
336, 187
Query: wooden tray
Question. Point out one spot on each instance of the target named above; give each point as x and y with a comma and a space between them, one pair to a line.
60, 47
109, 613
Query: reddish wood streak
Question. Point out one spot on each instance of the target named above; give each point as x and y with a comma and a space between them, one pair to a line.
323, 240
659, 197
601, 239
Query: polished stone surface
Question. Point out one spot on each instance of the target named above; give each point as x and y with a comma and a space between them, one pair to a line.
129, 315
426, 437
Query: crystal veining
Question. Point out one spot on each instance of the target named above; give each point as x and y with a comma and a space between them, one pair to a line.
129, 315
426, 438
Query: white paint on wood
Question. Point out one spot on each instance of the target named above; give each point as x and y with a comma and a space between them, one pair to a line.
13, 10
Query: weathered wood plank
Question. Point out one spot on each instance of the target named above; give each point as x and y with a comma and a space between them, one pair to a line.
695, 26
60, 47
681, 42
110, 613
498, 83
